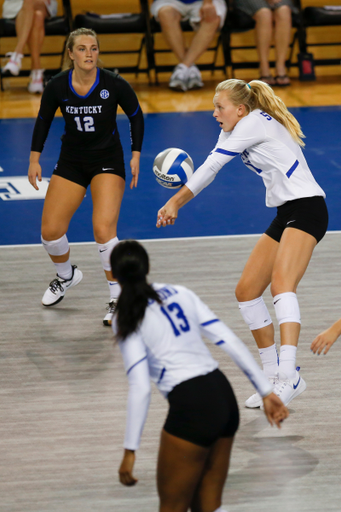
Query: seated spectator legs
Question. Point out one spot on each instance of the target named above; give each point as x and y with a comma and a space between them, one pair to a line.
35, 44
30, 29
263, 36
170, 19
282, 17
205, 18
200, 42
273, 22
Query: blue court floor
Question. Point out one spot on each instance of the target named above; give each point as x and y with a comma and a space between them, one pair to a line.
233, 204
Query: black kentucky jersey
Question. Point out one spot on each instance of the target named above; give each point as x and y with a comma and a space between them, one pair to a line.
90, 120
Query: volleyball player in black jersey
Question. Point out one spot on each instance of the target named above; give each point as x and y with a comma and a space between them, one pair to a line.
91, 154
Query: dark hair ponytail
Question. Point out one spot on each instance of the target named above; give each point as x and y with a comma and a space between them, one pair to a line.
130, 266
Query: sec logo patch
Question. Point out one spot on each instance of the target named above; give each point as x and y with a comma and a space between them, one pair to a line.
104, 94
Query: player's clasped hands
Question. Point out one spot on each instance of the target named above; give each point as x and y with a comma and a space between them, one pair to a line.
167, 215
275, 410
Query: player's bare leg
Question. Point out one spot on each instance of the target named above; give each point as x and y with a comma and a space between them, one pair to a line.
62, 199
179, 469
107, 193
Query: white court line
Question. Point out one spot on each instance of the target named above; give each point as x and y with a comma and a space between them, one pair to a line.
185, 238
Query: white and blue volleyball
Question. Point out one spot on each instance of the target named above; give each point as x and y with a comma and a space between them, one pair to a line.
173, 167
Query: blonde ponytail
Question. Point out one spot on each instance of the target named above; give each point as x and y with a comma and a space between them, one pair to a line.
258, 94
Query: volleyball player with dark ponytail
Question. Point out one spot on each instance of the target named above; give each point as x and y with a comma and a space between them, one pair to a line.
159, 329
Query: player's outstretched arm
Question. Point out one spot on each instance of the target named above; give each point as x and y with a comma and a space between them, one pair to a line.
169, 212
274, 409
126, 468
325, 339
34, 170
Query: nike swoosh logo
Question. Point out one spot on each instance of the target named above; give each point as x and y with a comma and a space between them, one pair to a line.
276, 301
102, 250
67, 99
297, 383
108, 169
291, 221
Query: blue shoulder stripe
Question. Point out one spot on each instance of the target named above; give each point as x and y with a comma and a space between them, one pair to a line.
143, 358
161, 375
225, 152
134, 114
291, 170
210, 322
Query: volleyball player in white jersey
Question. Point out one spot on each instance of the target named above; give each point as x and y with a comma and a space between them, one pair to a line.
256, 125
159, 329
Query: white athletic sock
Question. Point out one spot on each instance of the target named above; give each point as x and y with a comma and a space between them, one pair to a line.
105, 250
64, 270
269, 358
287, 360
114, 289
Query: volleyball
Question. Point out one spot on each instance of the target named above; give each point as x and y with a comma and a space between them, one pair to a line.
173, 167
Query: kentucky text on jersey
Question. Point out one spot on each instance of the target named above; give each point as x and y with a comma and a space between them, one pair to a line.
91, 109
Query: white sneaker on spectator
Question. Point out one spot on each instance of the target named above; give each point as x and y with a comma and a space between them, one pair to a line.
111, 308
256, 400
13, 66
194, 80
57, 288
288, 389
36, 84
178, 80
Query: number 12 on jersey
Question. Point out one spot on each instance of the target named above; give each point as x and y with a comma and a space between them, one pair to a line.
88, 122
176, 317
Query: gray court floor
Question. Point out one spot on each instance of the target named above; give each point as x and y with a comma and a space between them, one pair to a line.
63, 388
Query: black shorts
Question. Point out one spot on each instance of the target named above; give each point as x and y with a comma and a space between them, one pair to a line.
308, 214
82, 169
203, 409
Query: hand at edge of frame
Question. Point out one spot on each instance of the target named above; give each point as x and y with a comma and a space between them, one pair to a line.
274, 409
325, 340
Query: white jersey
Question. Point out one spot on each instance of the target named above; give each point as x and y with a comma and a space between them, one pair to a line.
267, 148
168, 349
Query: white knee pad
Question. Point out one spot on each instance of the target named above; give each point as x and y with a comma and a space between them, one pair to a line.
56, 247
255, 313
105, 250
287, 308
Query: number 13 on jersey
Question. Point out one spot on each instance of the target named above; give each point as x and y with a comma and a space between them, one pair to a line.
174, 313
